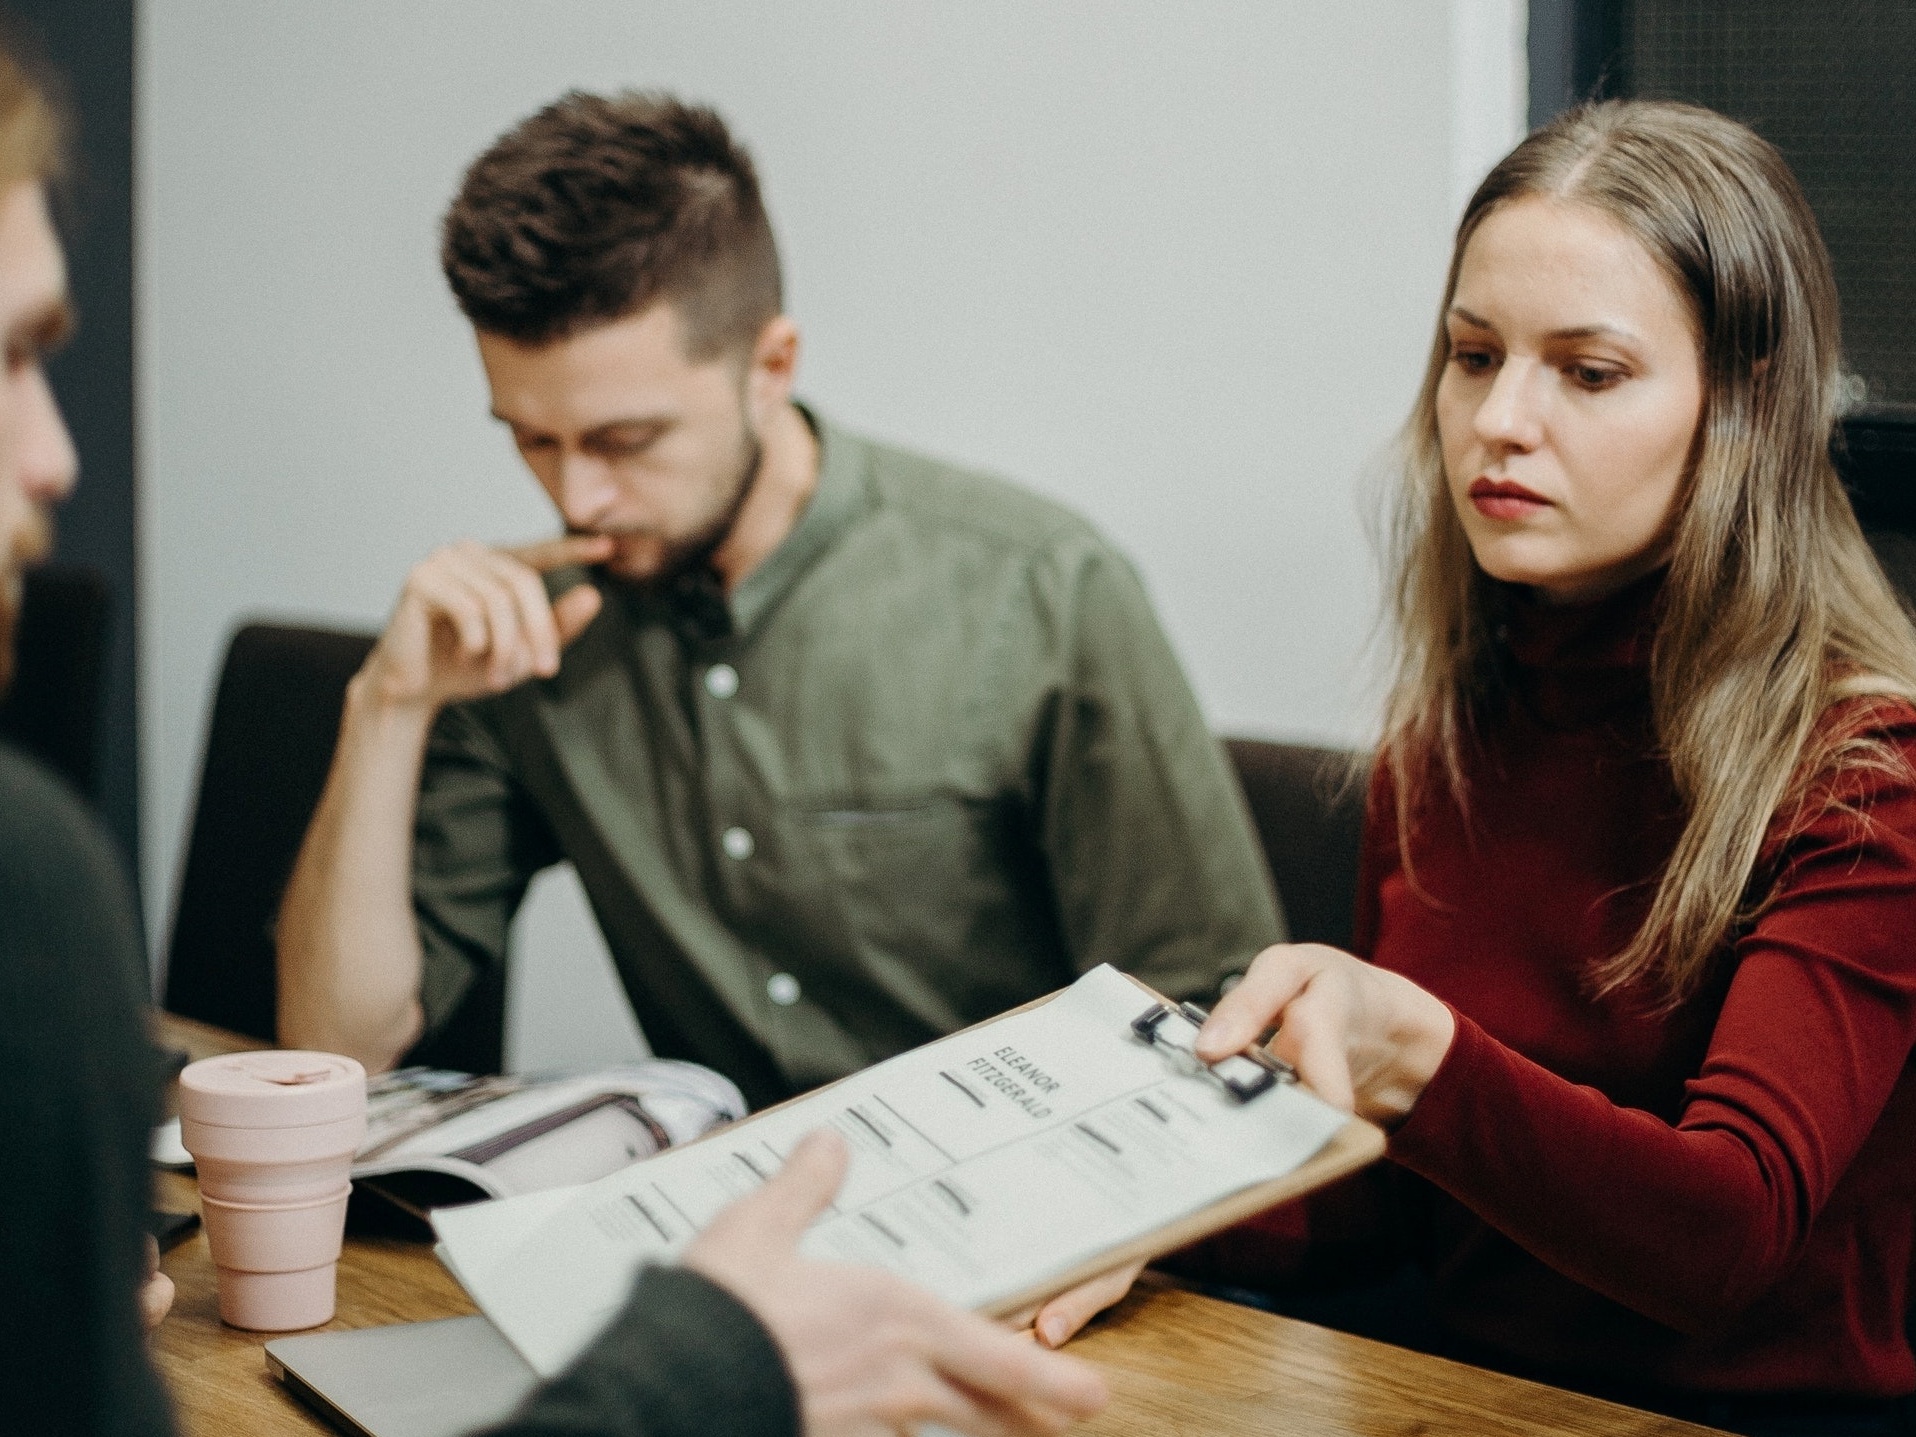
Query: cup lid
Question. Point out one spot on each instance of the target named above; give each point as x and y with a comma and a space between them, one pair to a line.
274, 1088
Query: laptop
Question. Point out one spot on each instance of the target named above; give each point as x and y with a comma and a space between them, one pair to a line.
415, 1379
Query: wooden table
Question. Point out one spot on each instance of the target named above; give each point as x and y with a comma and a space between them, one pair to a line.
1177, 1361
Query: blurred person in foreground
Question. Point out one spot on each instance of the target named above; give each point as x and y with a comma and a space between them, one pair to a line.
745, 1336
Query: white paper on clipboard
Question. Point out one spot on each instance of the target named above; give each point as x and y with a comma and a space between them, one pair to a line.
982, 1165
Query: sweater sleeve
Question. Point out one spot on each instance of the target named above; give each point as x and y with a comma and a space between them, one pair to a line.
1690, 1222
683, 1359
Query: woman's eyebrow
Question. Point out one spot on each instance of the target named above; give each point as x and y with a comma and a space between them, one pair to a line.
1592, 331
1571, 332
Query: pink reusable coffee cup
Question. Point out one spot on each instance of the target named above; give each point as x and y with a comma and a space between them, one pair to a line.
273, 1136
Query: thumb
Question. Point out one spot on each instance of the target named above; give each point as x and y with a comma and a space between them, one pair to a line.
1059, 1318
573, 610
779, 1212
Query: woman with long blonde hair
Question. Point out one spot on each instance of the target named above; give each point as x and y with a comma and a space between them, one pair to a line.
1637, 914
1639, 892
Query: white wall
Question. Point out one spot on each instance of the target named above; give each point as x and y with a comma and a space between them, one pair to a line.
1174, 264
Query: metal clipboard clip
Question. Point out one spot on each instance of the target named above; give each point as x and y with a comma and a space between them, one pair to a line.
1244, 1075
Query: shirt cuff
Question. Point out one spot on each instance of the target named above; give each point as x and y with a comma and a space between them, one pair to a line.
1427, 1139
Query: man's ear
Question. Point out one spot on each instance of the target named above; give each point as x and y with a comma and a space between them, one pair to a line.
773, 368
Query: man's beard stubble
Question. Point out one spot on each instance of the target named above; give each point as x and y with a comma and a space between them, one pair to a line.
695, 551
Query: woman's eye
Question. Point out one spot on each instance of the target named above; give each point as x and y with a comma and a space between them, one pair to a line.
1594, 376
1472, 361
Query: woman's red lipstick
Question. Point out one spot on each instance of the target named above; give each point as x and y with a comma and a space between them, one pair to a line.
1505, 499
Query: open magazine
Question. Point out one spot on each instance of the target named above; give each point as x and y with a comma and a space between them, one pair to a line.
435, 1138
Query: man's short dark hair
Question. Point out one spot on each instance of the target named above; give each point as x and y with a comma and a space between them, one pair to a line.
600, 206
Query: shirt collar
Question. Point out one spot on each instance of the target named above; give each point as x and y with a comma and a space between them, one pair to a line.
843, 495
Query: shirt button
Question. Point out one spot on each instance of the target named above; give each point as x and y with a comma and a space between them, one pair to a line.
721, 681
782, 989
737, 843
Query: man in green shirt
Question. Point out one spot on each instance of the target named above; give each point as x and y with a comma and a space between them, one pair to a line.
850, 748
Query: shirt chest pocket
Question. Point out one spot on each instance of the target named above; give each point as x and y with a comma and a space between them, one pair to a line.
901, 866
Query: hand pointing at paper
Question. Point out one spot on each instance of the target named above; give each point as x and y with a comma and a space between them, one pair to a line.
868, 1352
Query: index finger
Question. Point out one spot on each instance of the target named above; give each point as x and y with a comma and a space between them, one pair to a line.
567, 549
1275, 977
775, 1216
803, 1188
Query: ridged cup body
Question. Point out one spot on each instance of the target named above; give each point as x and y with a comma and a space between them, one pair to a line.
273, 1165
273, 1136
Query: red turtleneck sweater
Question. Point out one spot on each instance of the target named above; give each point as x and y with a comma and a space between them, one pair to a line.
1719, 1199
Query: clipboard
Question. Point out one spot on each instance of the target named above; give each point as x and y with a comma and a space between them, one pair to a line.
1355, 1145
550, 1268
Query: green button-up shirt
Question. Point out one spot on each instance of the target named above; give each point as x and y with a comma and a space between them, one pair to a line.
944, 762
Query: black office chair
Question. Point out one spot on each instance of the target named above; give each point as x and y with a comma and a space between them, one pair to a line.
1876, 454
1307, 805
53, 707
275, 721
